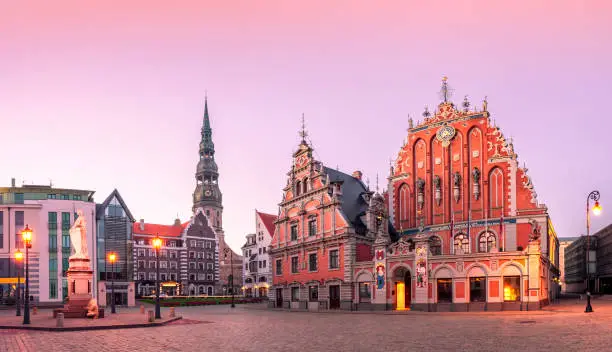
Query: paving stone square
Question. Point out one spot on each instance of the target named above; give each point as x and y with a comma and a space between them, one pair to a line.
560, 327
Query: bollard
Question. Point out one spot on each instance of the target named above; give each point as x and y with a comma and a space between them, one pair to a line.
142, 311
60, 320
172, 314
34, 310
150, 316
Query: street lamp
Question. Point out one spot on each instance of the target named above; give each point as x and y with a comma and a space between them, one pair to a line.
157, 243
26, 235
112, 258
227, 250
18, 259
596, 210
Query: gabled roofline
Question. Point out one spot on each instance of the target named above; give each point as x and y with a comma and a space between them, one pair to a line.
115, 193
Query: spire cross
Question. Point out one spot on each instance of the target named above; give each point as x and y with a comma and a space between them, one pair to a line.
303, 132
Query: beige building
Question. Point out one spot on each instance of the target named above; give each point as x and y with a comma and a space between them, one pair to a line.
563, 243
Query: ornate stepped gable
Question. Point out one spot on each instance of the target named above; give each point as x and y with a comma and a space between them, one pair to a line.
454, 154
310, 185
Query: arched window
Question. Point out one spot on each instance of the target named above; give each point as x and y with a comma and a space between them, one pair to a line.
298, 188
305, 185
435, 245
210, 291
461, 244
404, 202
201, 290
496, 188
486, 242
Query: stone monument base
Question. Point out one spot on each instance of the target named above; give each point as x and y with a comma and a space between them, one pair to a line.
80, 281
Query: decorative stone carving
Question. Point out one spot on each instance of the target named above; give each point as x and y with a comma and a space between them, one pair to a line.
529, 186
401, 247
535, 230
476, 179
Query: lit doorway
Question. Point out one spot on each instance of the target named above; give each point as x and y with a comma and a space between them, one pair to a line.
403, 289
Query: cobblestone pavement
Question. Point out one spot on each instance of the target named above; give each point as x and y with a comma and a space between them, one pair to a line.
562, 327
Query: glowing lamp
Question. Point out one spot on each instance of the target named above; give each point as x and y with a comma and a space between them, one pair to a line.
26, 235
157, 242
19, 255
597, 208
112, 257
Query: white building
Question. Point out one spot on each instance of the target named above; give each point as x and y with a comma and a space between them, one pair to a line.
49, 212
257, 270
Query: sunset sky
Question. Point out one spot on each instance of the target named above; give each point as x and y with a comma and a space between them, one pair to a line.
110, 94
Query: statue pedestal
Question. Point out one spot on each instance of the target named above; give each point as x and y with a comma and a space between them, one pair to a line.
80, 280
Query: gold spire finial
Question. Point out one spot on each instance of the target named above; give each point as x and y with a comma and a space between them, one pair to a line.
446, 91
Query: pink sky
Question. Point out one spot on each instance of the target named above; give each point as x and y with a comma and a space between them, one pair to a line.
111, 94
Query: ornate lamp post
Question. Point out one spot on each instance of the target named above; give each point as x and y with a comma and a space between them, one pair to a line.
231, 277
18, 259
157, 243
596, 210
26, 235
112, 258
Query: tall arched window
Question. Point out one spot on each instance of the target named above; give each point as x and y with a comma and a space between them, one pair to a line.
486, 242
461, 244
435, 245
496, 189
298, 188
404, 202
305, 185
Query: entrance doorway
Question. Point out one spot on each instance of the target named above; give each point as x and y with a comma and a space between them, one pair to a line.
334, 297
403, 289
279, 298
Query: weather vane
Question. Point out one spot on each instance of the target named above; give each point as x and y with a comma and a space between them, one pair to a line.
446, 92
303, 132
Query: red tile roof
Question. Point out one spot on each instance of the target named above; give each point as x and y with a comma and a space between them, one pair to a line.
162, 230
268, 220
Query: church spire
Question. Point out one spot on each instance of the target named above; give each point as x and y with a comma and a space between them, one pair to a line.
206, 125
207, 147
207, 193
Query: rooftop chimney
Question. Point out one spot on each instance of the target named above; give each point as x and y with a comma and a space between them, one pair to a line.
13, 182
141, 224
357, 174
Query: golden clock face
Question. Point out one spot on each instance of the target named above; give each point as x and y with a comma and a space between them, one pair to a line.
445, 134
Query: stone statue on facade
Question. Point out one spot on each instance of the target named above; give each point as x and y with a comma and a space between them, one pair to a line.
535, 230
476, 175
457, 179
78, 237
